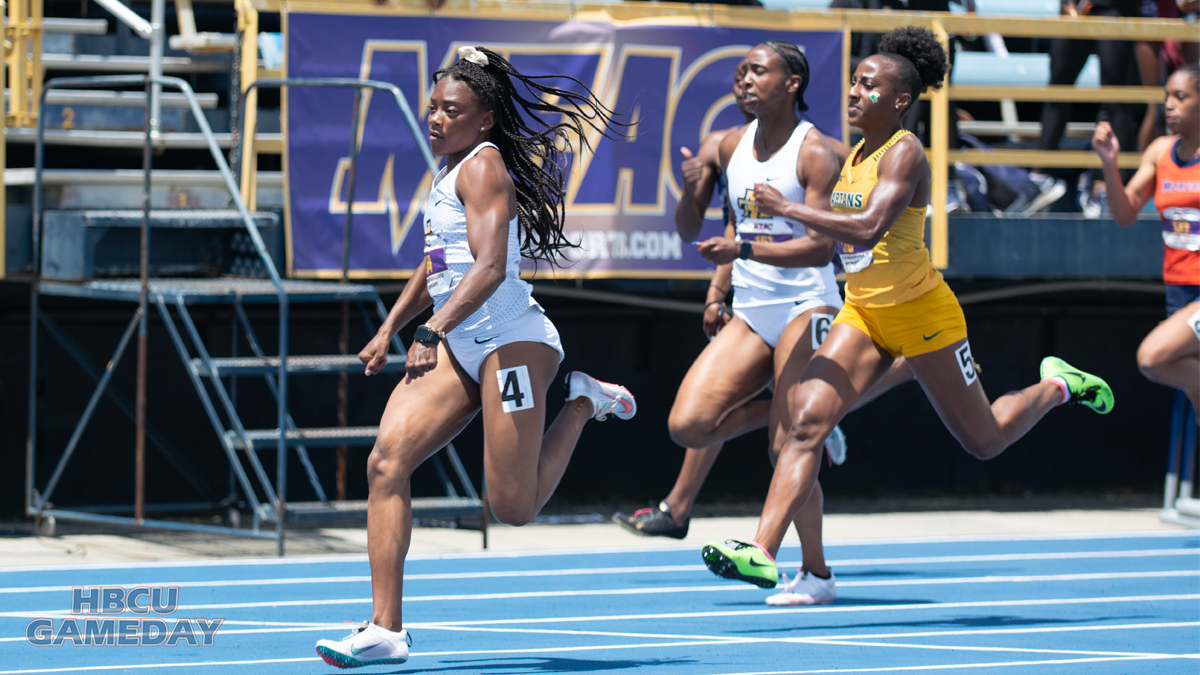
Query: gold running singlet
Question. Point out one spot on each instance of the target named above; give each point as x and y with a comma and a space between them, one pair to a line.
893, 292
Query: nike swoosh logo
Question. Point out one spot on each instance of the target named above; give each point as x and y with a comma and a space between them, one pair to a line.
754, 564
930, 337
480, 342
1102, 408
357, 650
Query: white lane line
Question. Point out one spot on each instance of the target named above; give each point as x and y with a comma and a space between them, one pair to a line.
361, 557
961, 666
660, 569
659, 590
781, 611
964, 648
655, 645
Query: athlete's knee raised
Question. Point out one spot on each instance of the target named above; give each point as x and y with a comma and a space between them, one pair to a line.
690, 430
515, 512
1152, 358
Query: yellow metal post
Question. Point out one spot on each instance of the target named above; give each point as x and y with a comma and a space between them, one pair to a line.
248, 25
939, 122
845, 83
24, 61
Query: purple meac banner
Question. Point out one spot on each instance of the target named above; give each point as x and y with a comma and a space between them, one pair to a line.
675, 81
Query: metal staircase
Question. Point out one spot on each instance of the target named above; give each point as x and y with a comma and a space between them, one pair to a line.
213, 379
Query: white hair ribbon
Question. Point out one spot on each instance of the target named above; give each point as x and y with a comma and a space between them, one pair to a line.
468, 53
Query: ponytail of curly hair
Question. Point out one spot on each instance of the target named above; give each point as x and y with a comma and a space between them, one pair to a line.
531, 147
919, 57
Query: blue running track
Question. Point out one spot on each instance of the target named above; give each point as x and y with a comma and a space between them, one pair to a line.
1127, 603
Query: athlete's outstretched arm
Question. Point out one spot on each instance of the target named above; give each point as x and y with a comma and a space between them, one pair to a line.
901, 171
699, 179
1126, 200
486, 191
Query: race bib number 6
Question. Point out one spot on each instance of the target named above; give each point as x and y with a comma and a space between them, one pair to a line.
821, 323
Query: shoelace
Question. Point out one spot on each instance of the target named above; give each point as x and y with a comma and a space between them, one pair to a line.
605, 410
358, 627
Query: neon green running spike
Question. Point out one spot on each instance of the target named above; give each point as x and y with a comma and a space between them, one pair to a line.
1086, 389
741, 561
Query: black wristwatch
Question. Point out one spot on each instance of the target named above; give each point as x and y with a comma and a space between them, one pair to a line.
428, 335
745, 250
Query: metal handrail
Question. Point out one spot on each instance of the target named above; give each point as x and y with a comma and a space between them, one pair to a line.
359, 85
230, 184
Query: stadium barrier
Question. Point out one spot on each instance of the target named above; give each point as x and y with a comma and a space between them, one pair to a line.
847, 21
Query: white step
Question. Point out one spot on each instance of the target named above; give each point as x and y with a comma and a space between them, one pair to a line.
131, 139
130, 64
129, 99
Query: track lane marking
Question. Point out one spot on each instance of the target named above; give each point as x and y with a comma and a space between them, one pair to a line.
362, 557
582, 571
658, 590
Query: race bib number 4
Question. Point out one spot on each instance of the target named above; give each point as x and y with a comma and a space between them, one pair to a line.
437, 275
966, 364
515, 392
855, 258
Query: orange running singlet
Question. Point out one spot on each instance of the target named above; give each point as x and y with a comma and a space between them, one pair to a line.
1177, 198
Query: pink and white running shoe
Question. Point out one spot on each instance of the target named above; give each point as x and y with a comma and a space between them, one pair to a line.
606, 398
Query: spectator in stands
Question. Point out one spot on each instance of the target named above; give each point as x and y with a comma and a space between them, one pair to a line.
1067, 58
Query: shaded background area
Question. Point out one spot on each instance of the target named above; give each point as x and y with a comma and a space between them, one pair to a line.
898, 446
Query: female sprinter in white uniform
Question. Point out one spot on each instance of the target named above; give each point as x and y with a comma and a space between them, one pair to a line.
488, 346
786, 295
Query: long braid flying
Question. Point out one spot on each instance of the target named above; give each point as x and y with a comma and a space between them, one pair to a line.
531, 147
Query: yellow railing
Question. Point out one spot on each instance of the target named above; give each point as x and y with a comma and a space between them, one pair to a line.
847, 21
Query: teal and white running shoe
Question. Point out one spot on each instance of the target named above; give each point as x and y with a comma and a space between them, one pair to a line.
741, 561
835, 445
367, 645
1085, 389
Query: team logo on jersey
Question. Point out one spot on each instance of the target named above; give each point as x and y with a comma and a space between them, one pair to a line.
847, 200
748, 205
1169, 185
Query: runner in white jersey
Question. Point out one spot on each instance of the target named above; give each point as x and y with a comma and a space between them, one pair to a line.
488, 347
784, 301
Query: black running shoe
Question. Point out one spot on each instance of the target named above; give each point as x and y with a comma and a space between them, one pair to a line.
653, 522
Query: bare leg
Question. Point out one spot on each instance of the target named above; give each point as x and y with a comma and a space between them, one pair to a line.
983, 430
421, 417
713, 406
697, 462
898, 374
523, 463
847, 365
1170, 354
792, 354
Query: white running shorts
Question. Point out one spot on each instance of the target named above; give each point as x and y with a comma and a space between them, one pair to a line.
769, 321
532, 326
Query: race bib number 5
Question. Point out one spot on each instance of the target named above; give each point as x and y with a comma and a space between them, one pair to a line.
966, 364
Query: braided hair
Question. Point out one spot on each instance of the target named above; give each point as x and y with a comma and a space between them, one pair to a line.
796, 63
919, 56
534, 151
